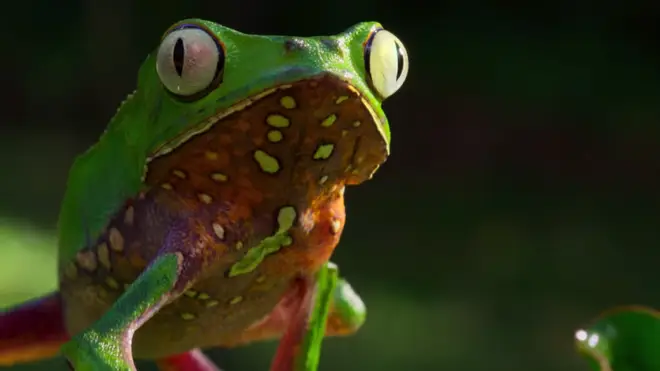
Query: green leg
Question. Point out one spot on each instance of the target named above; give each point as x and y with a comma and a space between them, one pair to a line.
106, 345
300, 347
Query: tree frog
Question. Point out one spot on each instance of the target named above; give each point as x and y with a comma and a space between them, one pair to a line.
204, 213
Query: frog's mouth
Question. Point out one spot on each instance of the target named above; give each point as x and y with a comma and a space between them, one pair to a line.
319, 129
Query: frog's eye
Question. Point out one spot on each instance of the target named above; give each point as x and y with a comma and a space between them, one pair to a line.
386, 62
190, 61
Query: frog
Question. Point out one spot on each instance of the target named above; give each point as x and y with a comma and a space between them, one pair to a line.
207, 212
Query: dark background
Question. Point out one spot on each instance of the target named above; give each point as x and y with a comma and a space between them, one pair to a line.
521, 197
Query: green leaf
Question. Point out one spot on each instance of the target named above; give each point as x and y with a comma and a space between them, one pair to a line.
622, 339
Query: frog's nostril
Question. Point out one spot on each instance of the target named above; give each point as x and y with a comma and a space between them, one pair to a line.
293, 44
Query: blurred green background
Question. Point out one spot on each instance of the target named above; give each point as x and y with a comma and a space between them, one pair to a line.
521, 197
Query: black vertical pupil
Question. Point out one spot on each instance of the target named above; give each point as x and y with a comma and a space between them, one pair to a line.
178, 56
400, 61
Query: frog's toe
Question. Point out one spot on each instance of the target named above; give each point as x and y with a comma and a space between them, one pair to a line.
90, 351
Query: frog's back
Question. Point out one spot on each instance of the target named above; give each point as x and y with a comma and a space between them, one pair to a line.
99, 182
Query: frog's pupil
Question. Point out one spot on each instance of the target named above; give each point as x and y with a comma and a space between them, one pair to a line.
400, 61
178, 56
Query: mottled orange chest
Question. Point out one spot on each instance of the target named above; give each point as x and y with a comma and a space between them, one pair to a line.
292, 146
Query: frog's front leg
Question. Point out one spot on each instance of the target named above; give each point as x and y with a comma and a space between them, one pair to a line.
106, 345
347, 314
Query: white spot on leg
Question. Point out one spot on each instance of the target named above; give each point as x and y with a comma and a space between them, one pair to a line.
219, 231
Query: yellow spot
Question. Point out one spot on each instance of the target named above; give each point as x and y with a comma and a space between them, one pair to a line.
278, 121
239, 245
104, 255
268, 163
285, 218
112, 283
255, 255
212, 303
179, 174
167, 186
71, 271
187, 316
334, 226
87, 260
274, 136
129, 215
219, 231
203, 296
329, 121
341, 99
211, 155
357, 124
116, 240
236, 300
323, 179
203, 197
219, 177
344, 133
261, 279
288, 102
324, 151
190, 293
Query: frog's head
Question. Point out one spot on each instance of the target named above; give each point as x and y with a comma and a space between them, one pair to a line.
306, 107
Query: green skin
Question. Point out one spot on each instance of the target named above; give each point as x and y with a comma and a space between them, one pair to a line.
112, 171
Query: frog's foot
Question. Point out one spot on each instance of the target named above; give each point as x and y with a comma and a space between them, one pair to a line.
92, 351
347, 314
106, 345
347, 311
193, 360
622, 339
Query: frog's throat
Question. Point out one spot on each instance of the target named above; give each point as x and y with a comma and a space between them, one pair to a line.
371, 144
